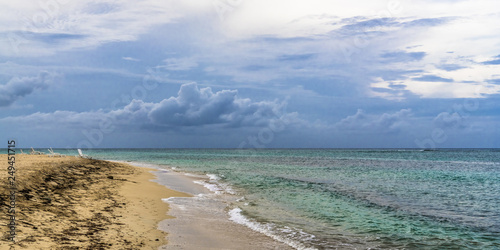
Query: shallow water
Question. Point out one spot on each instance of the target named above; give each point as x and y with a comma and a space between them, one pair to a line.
445, 199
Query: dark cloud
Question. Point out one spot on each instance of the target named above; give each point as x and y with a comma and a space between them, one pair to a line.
192, 107
432, 78
196, 107
19, 87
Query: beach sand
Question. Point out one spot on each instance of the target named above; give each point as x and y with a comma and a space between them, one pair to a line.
75, 203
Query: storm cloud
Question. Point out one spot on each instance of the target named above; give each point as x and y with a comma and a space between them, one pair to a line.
192, 107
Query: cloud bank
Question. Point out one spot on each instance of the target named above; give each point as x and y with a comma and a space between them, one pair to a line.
192, 107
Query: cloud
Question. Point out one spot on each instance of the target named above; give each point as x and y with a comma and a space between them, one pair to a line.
192, 107
68, 119
426, 22
495, 61
450, 67
296, 57
450, 76
56, 26
494, 81
385, 123
449, 120
199, 107
99, 8
179, 64
128, 58
385, 24
403, 56
19, 87
431, 78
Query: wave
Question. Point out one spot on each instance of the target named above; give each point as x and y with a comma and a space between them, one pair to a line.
270, 229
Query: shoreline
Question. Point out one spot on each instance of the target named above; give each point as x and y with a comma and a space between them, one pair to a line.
204, 219
68, 202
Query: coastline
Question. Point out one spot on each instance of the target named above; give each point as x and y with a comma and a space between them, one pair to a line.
207, 219
203, 219
69, 202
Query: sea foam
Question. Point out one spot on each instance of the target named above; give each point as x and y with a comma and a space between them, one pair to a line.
267, 229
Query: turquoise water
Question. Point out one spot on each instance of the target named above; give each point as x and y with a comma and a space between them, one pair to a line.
445, 199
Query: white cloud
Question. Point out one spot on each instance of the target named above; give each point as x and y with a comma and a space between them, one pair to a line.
346, 38
469, 82
294, 18
459, 34
454, 50
64, 25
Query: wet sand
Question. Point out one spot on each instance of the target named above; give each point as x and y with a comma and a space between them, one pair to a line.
202, 220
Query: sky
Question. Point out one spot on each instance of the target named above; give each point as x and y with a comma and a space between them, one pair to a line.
250, 73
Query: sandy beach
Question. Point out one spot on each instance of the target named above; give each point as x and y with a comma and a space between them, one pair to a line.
75, 203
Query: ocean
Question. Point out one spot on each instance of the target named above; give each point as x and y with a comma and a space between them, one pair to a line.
349, 198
